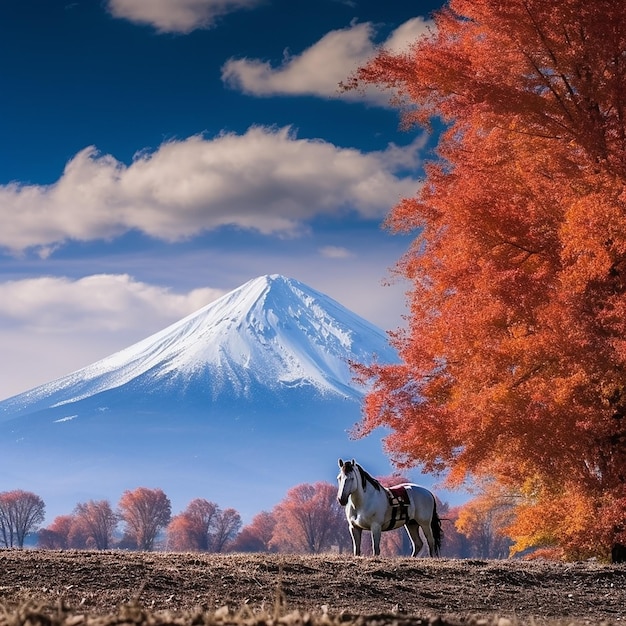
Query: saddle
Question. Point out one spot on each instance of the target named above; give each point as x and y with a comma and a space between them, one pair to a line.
399, 502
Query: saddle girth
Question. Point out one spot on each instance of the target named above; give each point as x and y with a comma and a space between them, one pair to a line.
399, 503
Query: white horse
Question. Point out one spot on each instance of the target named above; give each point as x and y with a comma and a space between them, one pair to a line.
370, 506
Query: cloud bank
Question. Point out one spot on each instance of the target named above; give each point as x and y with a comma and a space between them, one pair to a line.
77, 322
100, 302
266, 180
319, 70
176, 16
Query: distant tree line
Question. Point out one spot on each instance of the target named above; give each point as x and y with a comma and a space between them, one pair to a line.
147, 524
307, 520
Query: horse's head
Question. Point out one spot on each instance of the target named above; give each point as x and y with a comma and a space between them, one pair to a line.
348, 480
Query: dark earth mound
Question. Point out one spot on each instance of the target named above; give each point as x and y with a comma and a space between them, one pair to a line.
337, 588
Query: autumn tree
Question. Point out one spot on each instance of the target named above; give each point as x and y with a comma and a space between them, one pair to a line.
145, 512
203, 526
21, 512
485, 520
78, 537
98, 521
514, 356
201, 515
309, 519
541, 526
56, 536
66, 531
256, 536
180, 535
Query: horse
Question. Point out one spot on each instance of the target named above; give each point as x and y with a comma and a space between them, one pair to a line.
370, 506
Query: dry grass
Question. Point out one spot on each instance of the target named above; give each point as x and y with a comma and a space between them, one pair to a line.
73, 588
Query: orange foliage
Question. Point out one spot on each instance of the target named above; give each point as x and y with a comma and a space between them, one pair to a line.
56, 536
309, 520
181, 535
256, 536
567, 523
66, 531
145, 512
545, 554
514, 360
191, 530
484, 520
203, 526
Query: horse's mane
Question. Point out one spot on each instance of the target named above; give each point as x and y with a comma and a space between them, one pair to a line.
366, 477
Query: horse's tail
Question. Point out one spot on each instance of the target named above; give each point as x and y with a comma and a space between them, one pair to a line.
435, 525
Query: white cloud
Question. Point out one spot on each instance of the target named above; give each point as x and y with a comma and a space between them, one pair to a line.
100, 302
266, 180
408, 33
318, 70
321, 68
335, 252
176, 16
51, 326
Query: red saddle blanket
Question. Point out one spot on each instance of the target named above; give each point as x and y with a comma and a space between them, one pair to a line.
399, 503
398, 495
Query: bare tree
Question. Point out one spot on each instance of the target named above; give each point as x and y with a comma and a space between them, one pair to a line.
227, 526
145, 512
98, 521
202, 515
20, 513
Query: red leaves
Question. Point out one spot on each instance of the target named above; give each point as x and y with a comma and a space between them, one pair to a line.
145, 512
309, 520
256, 536
203, 526
515, 358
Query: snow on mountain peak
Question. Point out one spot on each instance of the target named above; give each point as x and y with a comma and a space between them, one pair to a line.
272, 332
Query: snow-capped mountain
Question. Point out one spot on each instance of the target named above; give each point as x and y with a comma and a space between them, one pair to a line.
271, 334
254, 382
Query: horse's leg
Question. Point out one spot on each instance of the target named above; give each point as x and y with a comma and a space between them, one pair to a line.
413, 531
428, 533
356, 533
376, 530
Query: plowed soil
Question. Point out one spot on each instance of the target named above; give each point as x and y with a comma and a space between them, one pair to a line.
366, 590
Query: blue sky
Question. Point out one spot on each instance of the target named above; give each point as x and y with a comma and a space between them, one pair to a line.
155, 155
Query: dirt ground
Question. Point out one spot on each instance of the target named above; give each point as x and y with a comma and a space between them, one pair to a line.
394, 590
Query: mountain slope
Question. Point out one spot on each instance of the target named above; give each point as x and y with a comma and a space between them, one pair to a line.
271, 334
254, 383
